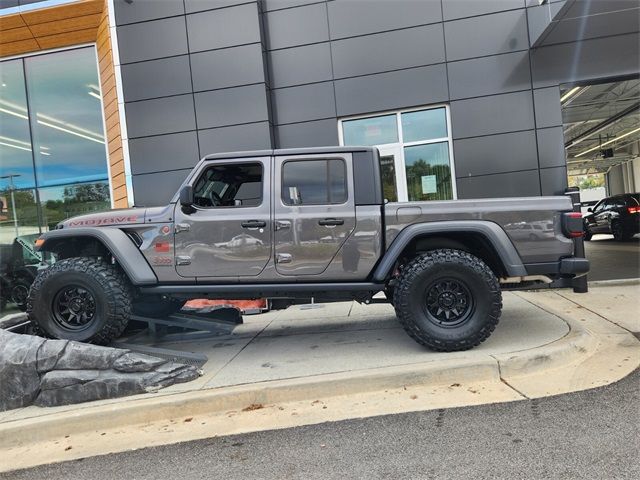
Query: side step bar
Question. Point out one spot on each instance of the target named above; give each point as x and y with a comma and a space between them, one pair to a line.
271, 290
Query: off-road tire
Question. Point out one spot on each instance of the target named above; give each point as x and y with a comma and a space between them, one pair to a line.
109, 287
417, 279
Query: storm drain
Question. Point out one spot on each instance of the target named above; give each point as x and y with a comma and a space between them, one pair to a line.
178, 356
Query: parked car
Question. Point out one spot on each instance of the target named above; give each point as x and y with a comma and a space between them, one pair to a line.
618, 215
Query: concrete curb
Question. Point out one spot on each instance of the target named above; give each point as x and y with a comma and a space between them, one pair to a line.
178, 405
576, 346
615, 282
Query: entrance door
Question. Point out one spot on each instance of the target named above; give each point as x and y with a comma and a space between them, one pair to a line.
228, 233
393, 174
314, 212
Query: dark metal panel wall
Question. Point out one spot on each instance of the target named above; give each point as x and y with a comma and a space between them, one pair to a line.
280, 73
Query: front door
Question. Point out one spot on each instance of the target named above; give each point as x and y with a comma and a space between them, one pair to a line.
228, 232
314, 211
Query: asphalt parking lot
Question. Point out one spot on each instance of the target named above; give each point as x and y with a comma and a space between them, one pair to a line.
590, 434
611, 260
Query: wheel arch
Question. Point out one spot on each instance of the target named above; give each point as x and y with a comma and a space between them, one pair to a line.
99, 242
484, 239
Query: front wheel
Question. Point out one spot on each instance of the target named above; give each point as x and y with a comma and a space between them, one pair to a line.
448, 300
81, 299
20, 292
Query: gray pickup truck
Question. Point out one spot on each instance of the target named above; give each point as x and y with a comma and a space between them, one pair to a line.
299, 224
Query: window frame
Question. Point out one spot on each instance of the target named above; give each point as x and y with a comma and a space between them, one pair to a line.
397, 148
315, 159
206, 167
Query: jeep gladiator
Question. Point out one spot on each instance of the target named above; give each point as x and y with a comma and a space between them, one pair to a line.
298, 224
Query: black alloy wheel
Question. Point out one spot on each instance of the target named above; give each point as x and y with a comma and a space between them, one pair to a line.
73, 307
448, 302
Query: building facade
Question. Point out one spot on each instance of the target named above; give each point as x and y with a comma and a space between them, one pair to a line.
463, 97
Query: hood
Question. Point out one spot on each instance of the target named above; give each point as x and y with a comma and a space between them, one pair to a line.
126, 216
122, 217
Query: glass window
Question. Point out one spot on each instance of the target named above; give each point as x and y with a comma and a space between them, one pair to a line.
53, 160
230, 185
414, 147
314, 182
66, 117
60, 203
371, 131
424, 125
15, 139
428, 172
388, 173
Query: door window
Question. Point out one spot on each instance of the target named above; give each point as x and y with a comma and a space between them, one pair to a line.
599, 207
229, 185
314, 182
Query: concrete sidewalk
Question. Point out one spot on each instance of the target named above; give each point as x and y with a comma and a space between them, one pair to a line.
308, 365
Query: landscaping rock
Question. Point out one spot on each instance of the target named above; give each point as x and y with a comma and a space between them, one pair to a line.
48, 373
137, 362
19, 379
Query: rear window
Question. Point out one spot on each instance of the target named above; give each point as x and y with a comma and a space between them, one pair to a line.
633, 200
314, 182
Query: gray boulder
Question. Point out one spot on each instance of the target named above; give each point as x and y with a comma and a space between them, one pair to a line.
19, 378
48, 373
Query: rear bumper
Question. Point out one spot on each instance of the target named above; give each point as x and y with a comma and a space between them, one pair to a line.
574, 266
566, 267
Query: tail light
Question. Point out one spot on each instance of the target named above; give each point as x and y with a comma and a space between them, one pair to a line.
572, 224
633, 209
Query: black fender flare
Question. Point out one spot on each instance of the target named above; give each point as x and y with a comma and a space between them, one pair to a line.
116, 241
491, 231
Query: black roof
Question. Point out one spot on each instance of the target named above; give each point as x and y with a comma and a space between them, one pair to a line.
287, 152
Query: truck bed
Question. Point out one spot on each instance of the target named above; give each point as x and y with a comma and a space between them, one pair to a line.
532, 223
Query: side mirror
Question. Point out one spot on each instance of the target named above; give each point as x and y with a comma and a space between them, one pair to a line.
186, 196
590, 210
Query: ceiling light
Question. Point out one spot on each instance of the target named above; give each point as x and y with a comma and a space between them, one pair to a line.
569, 93
15, 146
94, 94
608, 142
71, 132
45, 153
14, 105
67, 125
15, 140
15, 114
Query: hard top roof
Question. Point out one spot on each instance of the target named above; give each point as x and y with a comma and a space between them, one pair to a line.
287, 152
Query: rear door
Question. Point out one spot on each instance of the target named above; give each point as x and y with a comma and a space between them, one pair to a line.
314, 211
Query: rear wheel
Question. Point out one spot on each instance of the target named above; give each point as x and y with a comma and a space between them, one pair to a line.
81, 299
620, 233
448, 300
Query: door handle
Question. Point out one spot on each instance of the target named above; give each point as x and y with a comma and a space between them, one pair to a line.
331, 222
282, 224
254, 224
